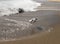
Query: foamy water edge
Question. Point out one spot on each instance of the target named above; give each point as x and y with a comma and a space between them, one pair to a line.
11, 7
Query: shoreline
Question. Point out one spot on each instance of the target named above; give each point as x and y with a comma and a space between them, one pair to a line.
46, 18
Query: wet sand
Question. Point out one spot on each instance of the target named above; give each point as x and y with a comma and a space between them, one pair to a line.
48, 18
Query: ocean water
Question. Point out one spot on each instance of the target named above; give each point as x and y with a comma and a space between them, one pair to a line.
8, 7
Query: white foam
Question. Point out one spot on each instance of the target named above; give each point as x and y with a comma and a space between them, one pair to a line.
11, 6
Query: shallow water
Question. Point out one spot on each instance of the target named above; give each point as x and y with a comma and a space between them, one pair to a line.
47, 18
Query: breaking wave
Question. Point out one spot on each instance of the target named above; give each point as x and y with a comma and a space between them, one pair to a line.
11, 6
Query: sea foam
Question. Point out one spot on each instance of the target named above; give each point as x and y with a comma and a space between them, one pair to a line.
8, 7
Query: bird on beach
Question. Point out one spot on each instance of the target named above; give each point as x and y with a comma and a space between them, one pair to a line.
33, 20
